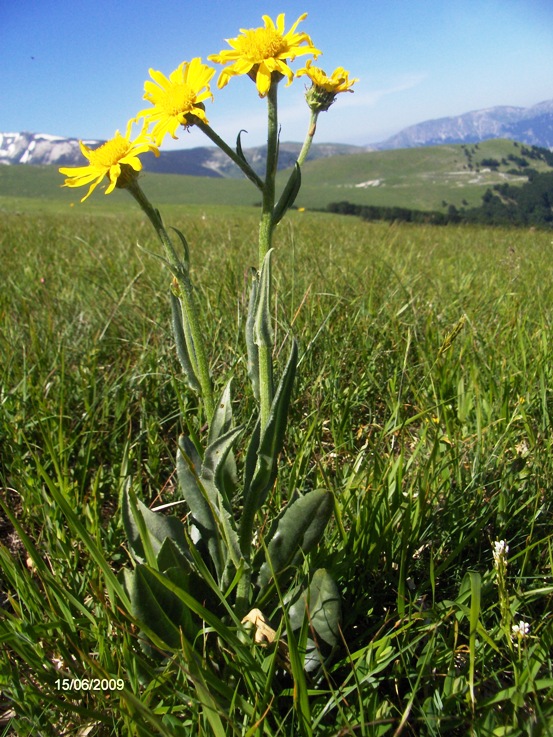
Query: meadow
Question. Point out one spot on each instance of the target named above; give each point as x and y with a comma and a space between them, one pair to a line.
423, 402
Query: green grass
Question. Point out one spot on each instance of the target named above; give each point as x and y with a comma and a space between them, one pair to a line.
433, 448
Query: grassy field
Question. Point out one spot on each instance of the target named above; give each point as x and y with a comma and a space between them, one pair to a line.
423, 402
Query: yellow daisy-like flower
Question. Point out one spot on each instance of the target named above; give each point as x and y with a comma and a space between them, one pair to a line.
324, 89
261, 52
176, 99
338, 81
116, 159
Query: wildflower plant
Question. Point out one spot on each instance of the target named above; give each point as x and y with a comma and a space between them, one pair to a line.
221, 561
500, 552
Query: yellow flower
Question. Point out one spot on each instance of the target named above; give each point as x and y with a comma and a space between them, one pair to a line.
337, 82
260, 52
176, 99
324, 89
116, 159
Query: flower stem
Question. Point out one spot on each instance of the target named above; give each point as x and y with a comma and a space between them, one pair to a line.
309, 137
238, 160
266, 227
190, 310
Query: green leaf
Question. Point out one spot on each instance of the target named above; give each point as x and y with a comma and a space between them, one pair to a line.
289, 194
225, 525
170, 556
321, 603
182, 346
252, 349
271, 442
158, 526
201, 507
185, 249
300, 528
263, 331
239, 150
219, 465
211, 517
191, 451
157, 606
221, 422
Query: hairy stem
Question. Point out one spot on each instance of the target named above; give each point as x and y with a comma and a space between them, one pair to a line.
266, 227
308, 138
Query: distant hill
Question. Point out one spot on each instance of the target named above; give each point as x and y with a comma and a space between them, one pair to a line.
532, 126
206, 161
432, 178
421, 178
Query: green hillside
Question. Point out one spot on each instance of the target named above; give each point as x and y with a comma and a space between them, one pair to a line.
418, 178
421, 178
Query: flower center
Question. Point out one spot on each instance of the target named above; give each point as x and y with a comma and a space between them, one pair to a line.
258, 44
110, 153
178, 99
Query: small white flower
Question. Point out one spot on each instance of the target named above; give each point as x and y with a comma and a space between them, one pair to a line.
520, 630
500, 550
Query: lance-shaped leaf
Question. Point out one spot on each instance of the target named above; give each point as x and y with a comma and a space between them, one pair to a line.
185, 263
266, 448
191, 451
263, 331
157, 527
156, 606
251, 347
239, 149
321, 604
211, 518
182, 345
299, 529
170, 556
201, 507
219, 464
221, 422
289, 194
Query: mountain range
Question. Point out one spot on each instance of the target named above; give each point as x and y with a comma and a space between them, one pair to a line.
532, 125
529, 125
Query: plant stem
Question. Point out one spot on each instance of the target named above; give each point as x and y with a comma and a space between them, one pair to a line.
309, 137
266, 227
180, 271
238, 160
264, 340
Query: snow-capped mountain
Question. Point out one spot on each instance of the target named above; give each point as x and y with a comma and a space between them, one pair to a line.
207, 161
40, 148
532, 125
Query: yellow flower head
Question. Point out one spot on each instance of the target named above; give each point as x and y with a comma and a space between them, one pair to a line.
324, 89
116, 159
176, 99
260, 52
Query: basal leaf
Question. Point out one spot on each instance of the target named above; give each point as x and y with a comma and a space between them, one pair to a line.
300, 528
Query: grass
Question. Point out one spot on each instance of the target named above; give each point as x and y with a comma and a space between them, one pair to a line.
424, 402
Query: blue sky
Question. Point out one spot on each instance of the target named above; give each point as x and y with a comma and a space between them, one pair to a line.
77, 67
